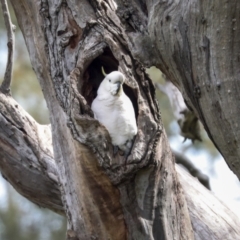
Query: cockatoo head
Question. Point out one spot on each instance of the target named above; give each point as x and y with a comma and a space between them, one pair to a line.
112, 83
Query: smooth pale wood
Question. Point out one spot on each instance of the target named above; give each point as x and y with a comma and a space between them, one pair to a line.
186, 118
219, 222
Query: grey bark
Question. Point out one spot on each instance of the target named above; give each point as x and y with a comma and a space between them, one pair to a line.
192, 169
27, 162
26, 156
5, 86
99, 192
219, 222
102, 197
197, 48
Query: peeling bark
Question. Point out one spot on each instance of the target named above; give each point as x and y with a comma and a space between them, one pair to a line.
104, 198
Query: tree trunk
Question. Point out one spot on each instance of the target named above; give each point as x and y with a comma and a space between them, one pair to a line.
198, 50
103, 198
27, 163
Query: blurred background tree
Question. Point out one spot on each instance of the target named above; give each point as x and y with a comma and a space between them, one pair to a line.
22, 220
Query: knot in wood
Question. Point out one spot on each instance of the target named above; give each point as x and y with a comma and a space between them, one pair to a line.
197, 91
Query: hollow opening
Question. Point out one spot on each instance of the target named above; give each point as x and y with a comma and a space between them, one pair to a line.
93, 76
133, 97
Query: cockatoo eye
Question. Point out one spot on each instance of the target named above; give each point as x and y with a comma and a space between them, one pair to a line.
109, 80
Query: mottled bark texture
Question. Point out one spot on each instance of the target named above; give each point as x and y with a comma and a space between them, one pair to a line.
27, 162
197, 46
26, 156
104, 197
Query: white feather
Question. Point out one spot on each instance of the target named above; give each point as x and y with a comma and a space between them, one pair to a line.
114, 110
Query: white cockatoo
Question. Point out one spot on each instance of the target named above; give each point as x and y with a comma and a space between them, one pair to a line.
113, 108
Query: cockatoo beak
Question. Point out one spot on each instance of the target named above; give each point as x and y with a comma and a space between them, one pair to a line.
119, 84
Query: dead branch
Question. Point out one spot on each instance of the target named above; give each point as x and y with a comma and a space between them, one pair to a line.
192, 169
5, 87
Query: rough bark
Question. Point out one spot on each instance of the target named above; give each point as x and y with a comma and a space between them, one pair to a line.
5, 86
102, 197
197, 47
26, 156
27, 162
100, 193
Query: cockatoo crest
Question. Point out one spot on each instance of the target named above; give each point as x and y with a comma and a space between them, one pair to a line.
111, 84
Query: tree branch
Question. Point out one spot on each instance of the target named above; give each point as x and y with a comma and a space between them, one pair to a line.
5, 87
74, 37
211, 218
202, 178
199, 56
27, 162
26, 156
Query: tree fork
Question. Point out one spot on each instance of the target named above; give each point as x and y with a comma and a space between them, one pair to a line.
62, 71
20, 135
71, 44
